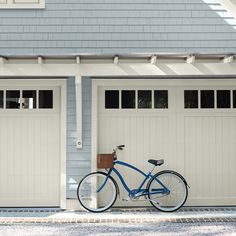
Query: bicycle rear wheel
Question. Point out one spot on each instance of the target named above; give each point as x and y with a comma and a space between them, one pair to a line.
178, 192
97, 192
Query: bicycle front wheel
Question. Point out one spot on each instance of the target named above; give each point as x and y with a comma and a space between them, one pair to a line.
172, 200
97, 192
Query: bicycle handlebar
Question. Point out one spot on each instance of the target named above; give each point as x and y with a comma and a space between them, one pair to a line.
120, 147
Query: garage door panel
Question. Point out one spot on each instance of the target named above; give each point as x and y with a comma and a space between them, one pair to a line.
195, 133
126, 130
30, 157
210, 157
119, 130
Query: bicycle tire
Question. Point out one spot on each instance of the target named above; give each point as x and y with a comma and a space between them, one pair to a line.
86, 191
166, 201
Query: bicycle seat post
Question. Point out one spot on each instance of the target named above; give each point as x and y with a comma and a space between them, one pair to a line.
152, 169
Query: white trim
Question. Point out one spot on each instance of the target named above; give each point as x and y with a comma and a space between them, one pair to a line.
228, 59
40, 60
229, 6
79, 128
153, 59
116, 60
62, 83
168, 68
190, 59
11, 5
63, 113
94, 151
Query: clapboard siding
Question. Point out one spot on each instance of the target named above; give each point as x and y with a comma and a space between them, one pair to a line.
78, 161
109, 26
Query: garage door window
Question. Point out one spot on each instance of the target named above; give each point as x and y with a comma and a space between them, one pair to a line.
161, 99
144, 99
112, 99
136, 99
13, 99
128, 99
223, 98
207, 99
1, 99
29, 99
45, 99
26, 99
191, 99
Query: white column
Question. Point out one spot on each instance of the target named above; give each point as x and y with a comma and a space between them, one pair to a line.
78, 89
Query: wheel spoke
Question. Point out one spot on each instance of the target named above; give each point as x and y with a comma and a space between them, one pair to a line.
178, 191
88, 194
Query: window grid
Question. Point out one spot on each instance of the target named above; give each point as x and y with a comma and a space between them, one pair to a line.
21, 99
231, 101
136, 92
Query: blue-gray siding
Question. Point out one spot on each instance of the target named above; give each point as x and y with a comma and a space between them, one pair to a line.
78, 161
111, 26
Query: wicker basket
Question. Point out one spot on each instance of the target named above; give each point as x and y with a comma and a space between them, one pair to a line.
105, 161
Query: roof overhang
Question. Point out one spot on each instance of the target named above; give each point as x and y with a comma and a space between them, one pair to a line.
86, 57
105, 65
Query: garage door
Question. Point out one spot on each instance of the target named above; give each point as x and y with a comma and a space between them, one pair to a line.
189, 123
29, 146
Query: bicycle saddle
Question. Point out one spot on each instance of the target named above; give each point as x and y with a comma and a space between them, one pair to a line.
156, 162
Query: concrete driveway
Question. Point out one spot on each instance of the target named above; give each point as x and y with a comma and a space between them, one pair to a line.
145, 229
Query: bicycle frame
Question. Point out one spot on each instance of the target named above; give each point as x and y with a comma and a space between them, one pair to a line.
140, 191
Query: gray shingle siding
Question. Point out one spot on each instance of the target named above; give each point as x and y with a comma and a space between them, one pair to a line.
109, 26
78, 161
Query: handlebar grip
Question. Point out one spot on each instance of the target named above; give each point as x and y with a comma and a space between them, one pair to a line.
120, 147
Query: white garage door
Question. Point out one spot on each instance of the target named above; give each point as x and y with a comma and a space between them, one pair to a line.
189, 123
29, 146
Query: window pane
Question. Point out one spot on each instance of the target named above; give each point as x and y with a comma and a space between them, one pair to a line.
234, 98
13, 99
45, 99
112, 99
207, 99
1, 99
29, 99
223, 98
191, 99
144, 99
160, 99
128, 98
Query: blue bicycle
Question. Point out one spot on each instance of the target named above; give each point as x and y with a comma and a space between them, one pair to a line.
166, 190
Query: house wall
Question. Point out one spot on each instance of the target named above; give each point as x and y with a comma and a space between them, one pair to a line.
109, 26
98, 26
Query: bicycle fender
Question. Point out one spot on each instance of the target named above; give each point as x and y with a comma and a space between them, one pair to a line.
170, 171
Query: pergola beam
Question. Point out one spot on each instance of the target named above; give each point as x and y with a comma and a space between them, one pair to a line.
40, 60
153, 59
228, 59
190, 59
116, 60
